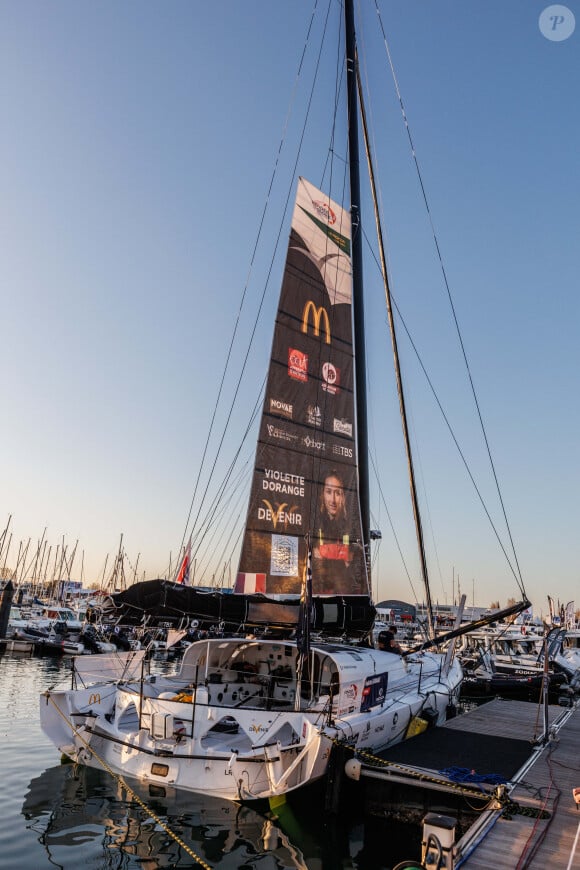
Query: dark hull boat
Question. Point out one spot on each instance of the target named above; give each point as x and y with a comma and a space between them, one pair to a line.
511, 685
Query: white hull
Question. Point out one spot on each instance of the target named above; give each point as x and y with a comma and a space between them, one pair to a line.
237, 735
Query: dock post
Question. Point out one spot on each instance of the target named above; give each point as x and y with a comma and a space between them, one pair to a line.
438, 840
335, 777
5, 605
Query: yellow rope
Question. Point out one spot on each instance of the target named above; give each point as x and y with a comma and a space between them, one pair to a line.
124, 785
375, 760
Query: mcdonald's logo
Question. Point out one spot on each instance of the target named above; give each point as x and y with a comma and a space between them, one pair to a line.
318, 314
95, 698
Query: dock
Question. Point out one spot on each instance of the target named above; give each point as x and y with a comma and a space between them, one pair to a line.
516, 761
546, 786
16, 646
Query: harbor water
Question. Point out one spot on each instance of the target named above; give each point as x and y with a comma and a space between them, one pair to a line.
62, 815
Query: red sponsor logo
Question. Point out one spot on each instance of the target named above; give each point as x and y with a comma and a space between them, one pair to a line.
297, 364
330, 378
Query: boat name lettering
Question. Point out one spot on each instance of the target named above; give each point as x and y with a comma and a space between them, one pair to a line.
278, 481
286, 517
318, 313
283, 476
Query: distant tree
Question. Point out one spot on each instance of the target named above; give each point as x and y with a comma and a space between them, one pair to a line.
510, 603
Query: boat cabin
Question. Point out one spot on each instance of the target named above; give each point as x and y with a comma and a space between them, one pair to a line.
264, 674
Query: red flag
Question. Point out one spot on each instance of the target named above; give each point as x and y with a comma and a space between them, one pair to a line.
183, 576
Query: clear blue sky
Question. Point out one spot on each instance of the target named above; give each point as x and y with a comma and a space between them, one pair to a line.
139, 142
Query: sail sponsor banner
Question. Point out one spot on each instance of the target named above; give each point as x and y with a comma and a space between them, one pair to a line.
312, 441
305, 475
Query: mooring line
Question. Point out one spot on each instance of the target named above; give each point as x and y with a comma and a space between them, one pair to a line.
128, 788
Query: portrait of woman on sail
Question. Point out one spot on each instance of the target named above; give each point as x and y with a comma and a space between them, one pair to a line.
337, 555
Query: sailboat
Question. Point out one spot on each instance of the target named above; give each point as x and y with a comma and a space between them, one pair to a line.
258, 715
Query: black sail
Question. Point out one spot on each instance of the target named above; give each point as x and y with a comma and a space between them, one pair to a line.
305, 476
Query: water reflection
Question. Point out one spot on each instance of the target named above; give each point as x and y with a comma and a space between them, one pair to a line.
74, 818
83, 816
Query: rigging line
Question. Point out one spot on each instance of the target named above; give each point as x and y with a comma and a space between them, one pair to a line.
198, 539
417, 454
234, 545
396, 360
219, 526
221, 489
237, 490
211, 559
269, 273
244, 293
338, 77
124, 784
392, 526
227, 486
518, 580
448, 289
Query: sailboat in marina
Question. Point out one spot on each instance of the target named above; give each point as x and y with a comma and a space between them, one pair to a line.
255, 715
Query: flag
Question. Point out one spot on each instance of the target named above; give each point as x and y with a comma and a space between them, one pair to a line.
303, 628
250, 583
183, 576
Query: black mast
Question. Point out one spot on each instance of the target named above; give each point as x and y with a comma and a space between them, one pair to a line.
357, 276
